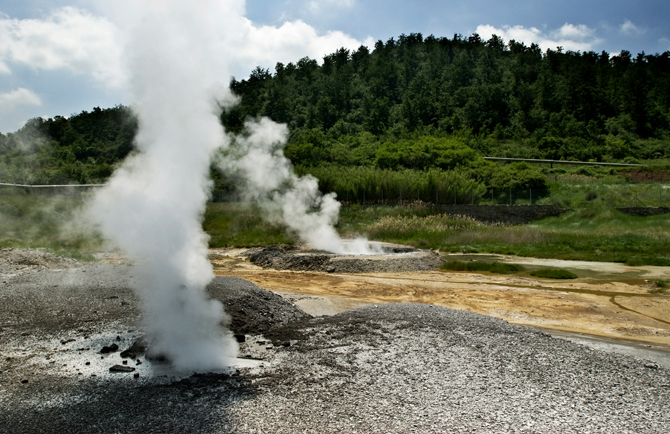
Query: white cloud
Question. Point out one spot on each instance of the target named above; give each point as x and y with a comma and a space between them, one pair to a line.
293, 40
93, 43
570, 31
19, 97
16, 107
569, 36
628, 28
68, 39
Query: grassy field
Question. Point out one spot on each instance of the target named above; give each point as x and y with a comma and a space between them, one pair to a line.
35, 221
598, 234
235, 224
591, 234
594, 234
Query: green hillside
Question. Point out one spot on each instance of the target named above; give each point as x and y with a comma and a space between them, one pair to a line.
412, 104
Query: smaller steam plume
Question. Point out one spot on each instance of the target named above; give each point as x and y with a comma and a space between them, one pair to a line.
266, 177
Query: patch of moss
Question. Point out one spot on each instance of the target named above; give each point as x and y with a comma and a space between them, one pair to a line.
553, 273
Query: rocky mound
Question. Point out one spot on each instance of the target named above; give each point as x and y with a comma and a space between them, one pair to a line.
398, 259
18, 261
252, 310
385, 368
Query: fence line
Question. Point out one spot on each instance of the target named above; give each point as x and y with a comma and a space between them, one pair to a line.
577, 196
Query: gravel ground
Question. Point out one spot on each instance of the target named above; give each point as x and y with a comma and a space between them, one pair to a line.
399, 259
21, 261
387, 368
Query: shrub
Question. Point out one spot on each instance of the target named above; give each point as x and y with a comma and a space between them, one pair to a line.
554, 273
660, 287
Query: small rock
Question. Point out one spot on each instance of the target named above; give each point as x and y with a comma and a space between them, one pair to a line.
87, 363
128, 353
121, 368
66, 341
138, 347
651, 365
24, 381
125, 362
136, 375
240, 338
109, 349
138, 362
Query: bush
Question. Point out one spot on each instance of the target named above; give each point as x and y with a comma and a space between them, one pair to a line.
660, 287
554, 273
424, 153
491, 267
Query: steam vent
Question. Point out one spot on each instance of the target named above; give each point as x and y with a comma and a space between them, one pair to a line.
393, 258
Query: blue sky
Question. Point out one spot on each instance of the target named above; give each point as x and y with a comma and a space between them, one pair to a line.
60, 57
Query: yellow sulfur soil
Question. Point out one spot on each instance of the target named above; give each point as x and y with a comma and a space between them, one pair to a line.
608, 308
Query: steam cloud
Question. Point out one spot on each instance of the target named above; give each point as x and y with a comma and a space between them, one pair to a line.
153, 206
268, 179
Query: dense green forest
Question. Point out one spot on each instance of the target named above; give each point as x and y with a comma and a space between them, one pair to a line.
82, 148
507, 100
411, 104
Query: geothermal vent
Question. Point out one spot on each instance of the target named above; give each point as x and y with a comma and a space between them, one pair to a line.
389, 258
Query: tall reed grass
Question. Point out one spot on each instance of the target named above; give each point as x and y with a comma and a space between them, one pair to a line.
370, 184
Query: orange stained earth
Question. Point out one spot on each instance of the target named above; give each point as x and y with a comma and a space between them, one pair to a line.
605, 308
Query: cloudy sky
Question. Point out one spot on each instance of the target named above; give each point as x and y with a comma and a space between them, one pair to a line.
60, 57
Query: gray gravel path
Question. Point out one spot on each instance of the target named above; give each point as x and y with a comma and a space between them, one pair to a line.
393, 368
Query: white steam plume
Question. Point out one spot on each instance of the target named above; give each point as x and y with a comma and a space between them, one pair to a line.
268, 179
153, 206
176, 54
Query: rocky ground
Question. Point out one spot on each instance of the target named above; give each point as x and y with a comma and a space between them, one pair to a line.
20, 261
381, 368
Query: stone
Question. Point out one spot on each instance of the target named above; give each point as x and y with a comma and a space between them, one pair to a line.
240, 338
109, 349
128, 354
121, 368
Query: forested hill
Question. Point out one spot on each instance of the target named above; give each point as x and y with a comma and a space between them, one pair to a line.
505, 99
412, 102
82, 148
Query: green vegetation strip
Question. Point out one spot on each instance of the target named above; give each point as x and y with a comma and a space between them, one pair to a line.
594, 234
491, 267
